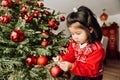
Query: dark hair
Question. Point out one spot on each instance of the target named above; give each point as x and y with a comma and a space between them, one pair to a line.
87, 19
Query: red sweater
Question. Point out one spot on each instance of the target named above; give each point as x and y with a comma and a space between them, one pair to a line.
88, 61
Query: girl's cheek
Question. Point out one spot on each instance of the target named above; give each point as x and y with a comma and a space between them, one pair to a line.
76, 36
79, 36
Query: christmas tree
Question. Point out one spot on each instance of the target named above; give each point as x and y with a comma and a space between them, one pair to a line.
27, 41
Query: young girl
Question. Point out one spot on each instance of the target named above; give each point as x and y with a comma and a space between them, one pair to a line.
85, 52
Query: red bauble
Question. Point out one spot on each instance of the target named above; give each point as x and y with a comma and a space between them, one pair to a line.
51, 33
17, 36
31, 61
47, 12
51, 23
6, 3
5, 19
36, 14
44, 33
56, 71
50, 41
24, 9
42, 60
40, 4
28, 18
44, 43
57, 23
55, 27
62, 18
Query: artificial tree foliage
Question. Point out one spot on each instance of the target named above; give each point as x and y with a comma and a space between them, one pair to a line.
26, 29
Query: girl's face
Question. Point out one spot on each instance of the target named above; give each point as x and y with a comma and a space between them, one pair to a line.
79, 35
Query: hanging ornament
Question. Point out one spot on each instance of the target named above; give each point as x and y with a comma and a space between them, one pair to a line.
55, 27
50, 41
44, 34
17, 36
24, 9
5, 19
36, 14
42, 60
51, 23
40, 4
6, 3
44, 43
28, 18
103, 16
47, 12
31, 61
57, 23
62, 18
51, 33
56, 71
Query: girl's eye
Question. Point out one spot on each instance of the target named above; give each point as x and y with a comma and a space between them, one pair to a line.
78, 33
75, 33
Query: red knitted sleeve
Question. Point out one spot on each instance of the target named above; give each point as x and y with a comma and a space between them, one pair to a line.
69, 56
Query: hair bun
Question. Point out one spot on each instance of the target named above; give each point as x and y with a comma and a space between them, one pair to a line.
75, 10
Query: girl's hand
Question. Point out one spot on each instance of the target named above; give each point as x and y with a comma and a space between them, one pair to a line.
65, 66
57, 59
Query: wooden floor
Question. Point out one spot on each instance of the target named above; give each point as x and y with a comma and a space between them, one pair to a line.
112, 70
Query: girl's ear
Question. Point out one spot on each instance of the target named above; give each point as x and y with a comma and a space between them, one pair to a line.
91, 29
